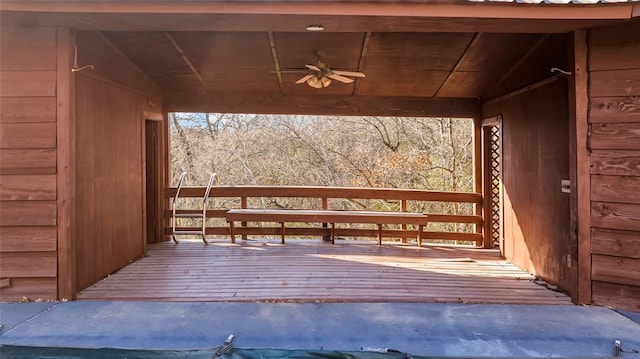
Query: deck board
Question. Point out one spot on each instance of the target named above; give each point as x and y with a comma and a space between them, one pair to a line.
316, 271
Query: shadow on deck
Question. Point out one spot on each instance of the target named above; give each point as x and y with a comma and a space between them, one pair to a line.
315, 271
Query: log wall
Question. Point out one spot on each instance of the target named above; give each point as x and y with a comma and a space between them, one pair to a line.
614, 141
72, 163
28, 173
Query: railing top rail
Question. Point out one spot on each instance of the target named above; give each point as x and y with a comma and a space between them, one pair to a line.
329, 192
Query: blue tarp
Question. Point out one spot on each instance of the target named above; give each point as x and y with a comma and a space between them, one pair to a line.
423, 329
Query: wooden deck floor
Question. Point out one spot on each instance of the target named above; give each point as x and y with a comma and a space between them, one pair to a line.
313, 271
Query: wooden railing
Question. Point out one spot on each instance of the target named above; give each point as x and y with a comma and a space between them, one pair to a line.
248, 196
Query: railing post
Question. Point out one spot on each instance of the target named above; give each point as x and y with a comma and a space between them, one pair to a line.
477, 173
243, 204
325, 206
404, 226
486, 188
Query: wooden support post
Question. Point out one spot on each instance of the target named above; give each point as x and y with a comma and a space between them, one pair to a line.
65, 169
325, 206
404, 226
582, 158
243, 204
477, 176
419, 239
486, 188
379, 234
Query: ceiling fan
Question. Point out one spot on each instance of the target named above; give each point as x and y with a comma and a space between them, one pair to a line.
321, 75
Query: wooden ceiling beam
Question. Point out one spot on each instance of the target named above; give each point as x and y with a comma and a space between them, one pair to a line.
363, 54
276, 60
186, 60
324, 105
470, 46
290, 23
377, 8
525, 89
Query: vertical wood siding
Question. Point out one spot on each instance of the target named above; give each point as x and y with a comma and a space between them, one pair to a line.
28, 163
614, 70
109, 168
535, 160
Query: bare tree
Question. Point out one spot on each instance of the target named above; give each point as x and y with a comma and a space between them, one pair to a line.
424, 153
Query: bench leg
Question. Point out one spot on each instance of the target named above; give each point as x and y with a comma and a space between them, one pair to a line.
325, 237
420, 228
333, 233
282, 228
244, 236
379, 234
233, 237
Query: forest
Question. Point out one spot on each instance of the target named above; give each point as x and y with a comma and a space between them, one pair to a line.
380, 152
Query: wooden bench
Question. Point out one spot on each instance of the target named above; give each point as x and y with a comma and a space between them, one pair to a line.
283, 216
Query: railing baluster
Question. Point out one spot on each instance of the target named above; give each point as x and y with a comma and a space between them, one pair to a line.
325, 206
404, 226
243, 204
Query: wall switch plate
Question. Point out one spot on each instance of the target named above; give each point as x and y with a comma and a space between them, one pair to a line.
566, 186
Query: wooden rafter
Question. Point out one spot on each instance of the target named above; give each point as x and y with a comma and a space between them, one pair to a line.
186, 60
276, 60
525, 89
363, 54
520, 61
472, 44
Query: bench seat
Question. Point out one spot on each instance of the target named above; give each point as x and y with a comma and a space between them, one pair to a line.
283, 216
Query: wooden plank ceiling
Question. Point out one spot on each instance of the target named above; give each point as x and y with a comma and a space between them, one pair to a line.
396, 64
423, 58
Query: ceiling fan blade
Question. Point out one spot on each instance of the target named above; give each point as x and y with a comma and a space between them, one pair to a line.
290, 71
304, 79
349, 73
313, 67
342, 79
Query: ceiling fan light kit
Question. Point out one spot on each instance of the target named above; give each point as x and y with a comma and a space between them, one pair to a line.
318, 82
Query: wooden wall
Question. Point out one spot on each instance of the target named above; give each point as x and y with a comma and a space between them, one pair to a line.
110, 183
93, 208
28, 193
535, 131
614, 116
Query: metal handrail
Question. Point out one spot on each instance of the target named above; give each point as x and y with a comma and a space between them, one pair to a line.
173, 205
212, 179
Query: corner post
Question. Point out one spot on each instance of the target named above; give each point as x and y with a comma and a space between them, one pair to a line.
581, 181
478, 178
65, 167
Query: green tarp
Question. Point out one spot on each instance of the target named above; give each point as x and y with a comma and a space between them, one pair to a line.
20, 352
